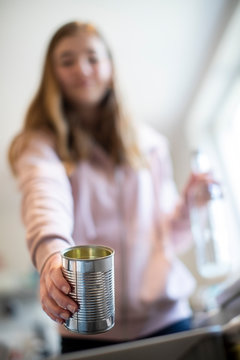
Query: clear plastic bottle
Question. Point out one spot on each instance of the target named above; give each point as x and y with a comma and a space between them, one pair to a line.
208, 222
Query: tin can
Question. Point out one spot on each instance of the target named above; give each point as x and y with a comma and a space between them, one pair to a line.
90, 272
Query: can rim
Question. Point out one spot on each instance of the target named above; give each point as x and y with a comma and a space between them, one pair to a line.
112, 252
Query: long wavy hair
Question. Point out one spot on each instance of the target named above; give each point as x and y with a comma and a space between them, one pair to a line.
48, 112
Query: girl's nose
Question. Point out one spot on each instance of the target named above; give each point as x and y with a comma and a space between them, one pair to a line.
84, 68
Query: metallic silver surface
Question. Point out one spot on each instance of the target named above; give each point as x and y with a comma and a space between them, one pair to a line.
90, 272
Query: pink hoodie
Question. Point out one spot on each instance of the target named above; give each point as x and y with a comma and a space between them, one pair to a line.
138, 213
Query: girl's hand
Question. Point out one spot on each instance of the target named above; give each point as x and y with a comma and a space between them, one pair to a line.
54, 289
199, 185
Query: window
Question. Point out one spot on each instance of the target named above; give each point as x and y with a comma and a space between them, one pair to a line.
224, 135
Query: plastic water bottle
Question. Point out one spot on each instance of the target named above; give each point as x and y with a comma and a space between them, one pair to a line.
208, 222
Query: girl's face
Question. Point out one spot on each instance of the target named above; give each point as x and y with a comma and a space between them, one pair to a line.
83, 69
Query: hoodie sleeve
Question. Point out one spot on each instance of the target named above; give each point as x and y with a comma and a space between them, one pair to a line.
47, 203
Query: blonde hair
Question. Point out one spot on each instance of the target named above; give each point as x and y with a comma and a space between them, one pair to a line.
114, 132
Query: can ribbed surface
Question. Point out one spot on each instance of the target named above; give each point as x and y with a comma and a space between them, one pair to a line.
92, 287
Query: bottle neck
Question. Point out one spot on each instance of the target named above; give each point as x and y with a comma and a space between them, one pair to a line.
202, 193
199, 163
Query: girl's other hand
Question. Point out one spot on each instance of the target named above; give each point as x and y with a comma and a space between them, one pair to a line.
198, 186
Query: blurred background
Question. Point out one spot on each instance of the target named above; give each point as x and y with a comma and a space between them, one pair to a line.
178, 65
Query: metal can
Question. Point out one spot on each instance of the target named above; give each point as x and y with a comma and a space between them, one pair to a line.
90, 272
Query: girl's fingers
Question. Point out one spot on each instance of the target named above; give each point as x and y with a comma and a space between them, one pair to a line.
53, 270
52, 309
63, 301
59, 280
